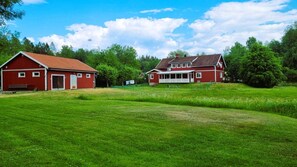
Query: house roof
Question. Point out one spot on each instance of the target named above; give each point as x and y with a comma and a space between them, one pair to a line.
163, 64
53, 62
197, 61
206, 60
183, 59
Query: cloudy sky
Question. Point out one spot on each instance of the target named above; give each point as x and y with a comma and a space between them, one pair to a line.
155, 27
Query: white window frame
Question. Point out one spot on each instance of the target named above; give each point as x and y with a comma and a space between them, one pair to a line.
200, 74
35, 72
88, 75
79, 75
221, 74
151, 76
20, 75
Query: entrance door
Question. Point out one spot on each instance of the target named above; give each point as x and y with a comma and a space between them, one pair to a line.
192, 76
73, 82
58, 82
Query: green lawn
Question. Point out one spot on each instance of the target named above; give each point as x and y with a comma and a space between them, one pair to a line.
110, 127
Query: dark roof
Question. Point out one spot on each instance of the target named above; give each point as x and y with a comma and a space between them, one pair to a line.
164, 63
206, 60
183, 59
197, 61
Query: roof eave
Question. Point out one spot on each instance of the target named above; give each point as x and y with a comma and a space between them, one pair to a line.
75, 70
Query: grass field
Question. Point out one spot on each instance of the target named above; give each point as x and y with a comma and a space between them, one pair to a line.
137, 126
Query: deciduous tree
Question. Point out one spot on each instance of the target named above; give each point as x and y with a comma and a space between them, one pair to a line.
260, 68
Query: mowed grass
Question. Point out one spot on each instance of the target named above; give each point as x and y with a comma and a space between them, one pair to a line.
101, 128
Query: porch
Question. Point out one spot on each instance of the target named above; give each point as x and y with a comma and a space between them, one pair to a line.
176, 76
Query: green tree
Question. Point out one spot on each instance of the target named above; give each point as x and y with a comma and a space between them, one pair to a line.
81, 55
126, 55
28, 45
43, 48
7, 11
276, 47
107, 74
127, 73
289, 42
233, 60
260, 68
179, 52
251, 41
66, 51
148, 62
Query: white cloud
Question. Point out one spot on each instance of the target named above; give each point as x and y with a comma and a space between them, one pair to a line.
157, 10
147, 36
33, 1
31, 39
229, 22
220, 27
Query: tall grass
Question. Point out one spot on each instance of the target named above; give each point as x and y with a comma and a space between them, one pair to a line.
281, 100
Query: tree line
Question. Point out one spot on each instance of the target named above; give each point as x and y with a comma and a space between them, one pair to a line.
263, 65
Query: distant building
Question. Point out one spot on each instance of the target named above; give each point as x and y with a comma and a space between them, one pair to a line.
31, 71
206, 68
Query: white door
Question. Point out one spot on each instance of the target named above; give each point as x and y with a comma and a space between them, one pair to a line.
73, 82
192, 76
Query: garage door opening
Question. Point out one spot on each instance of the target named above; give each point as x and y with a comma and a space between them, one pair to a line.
58, 82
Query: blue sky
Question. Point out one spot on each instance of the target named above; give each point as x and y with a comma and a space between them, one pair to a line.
154, 27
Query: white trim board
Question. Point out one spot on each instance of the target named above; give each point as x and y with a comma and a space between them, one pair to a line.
26, 69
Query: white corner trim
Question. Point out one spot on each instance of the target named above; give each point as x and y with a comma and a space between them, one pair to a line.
1, 80
45, 79
215, 73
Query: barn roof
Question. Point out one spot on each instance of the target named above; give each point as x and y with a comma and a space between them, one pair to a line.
53, 62
197, 61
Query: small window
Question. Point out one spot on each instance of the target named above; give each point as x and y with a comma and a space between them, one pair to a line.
198, 75
22, 74
151, 76
88, 75
35, 74
221, 75
79, 75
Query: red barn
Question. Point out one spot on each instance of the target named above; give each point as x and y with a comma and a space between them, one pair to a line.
31, 71
206, 68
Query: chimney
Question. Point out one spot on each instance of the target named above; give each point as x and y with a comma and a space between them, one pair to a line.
177, 55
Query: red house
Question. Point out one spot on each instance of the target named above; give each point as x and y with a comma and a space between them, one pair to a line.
31, 71
206, 68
